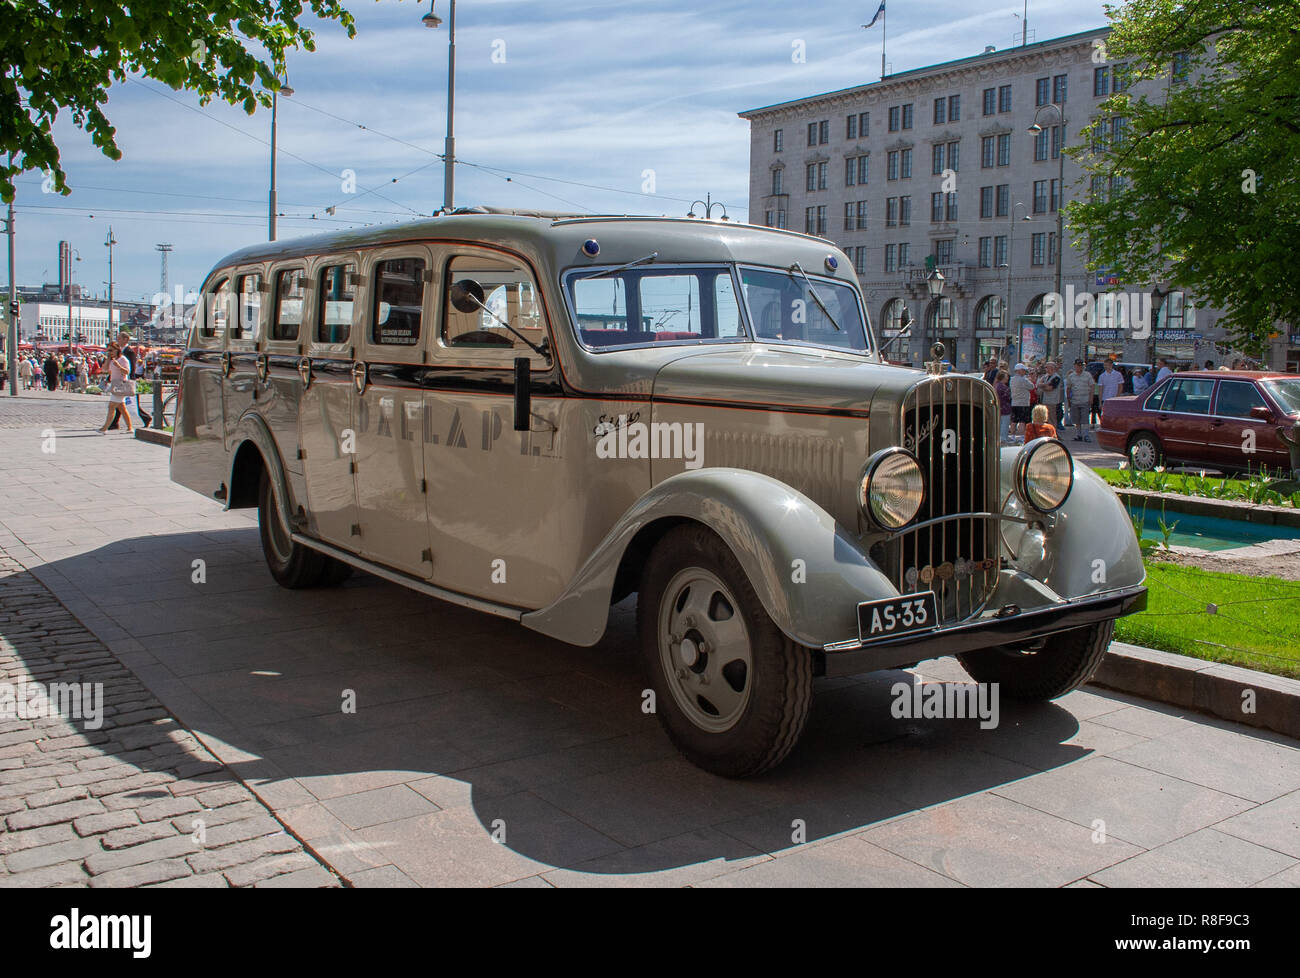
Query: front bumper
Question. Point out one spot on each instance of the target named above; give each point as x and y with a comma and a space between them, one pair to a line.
988, 631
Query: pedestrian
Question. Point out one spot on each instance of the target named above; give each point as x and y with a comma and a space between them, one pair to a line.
124, 344
51, 372
1004, 407
1110, 383
1140, 381
119, 386
83, 375
1164, 370
1051, 392
991, 370
1209, 364
1039, 426
1021, 389
1079, 388
25, 373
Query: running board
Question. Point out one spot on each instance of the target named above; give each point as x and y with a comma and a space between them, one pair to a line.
406, 580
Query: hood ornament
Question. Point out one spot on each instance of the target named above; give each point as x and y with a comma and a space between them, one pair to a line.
937, 366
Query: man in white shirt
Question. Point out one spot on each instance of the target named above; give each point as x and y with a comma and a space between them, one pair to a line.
1021, 389
1079, 387
1140, 381
1110, 383
1164, 370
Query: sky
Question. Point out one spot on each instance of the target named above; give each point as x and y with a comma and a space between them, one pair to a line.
624, 106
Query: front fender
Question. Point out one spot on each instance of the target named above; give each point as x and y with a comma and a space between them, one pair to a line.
252, 428
1086, 547
769, 527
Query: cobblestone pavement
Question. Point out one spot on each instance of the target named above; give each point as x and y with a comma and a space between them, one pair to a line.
127, 797
480, 753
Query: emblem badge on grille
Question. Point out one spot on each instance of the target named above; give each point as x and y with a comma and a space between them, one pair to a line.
944, 571
927, 574
911, 576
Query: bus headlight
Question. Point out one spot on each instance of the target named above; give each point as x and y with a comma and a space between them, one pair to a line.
893, 488
1044, 475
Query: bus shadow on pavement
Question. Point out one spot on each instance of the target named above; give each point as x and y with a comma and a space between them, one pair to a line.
385, 725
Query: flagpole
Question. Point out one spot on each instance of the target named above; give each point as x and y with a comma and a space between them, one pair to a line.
884, 24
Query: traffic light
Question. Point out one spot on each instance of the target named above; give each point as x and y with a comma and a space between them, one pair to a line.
13, 309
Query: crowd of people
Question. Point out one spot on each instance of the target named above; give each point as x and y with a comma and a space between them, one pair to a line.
112, 372
1037, 401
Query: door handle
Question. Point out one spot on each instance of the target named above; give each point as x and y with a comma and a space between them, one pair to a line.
227, 364
263, 367
360, 375
304, 372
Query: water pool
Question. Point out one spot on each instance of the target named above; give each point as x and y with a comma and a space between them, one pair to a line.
1209, 532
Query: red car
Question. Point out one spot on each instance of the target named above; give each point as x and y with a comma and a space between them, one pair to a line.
1224, 420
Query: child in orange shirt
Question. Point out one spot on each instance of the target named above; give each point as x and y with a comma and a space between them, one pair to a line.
1038, 426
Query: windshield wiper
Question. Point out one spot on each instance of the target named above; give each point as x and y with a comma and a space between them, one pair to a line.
622, 268
813, 292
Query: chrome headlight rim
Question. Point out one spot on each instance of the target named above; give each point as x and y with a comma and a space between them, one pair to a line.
869, 472
1021, 473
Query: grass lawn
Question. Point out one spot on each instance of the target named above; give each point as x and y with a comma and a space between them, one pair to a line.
1256, 624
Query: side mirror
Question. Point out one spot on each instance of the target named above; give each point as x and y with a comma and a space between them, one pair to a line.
1261, 413
467, 295
523, 393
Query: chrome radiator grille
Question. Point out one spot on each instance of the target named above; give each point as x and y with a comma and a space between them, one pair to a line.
951, 424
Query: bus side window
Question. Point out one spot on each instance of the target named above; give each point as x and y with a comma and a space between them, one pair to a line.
337, 293
289, 293
216, 311
250, 307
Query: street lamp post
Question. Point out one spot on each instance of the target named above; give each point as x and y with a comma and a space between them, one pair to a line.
71, 252
432, 20
271, 209
934, 283
708, 204
1054, 342
1011, 251
109, 245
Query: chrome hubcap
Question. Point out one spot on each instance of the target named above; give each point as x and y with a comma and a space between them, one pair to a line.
704, 649
1143, 455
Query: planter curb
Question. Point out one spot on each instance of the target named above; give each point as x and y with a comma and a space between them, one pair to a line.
1207, 687
154, 437
1224, 509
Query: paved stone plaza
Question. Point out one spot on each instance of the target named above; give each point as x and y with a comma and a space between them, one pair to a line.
483, 754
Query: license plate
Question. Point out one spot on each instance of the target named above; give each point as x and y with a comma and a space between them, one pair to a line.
897, 616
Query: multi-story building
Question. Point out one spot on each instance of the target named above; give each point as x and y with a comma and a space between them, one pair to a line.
48, 322
938, 168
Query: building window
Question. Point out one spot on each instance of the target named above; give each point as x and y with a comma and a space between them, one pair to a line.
1059, 88
810, 220
851, 127
943, 251
986, 201
936, 208
810, 173
862, 169
812, 134
864, 125
1004, 98
1118, 129
1056, 195
1098, 188
895, 116
1042, 91
986, 252
1004, 200
940, 316
781, 220
1004, 149
862, 215
892, 317
1057, 134
954, 108
891, 166
990, 100
1119, 78
986, 152
1101, 81
778, 140
904, 255
1172, 312
904, 212
891, 258
824, 131
769, 219
855, 171
938, 154
1051, 248
1000, 250
822, 170
952, 205
778, 181
1040, 196
1038, 249
891, 212
860, 259
991, 313
1040, 145
907, 116
940, 111
848, 216
952, 156
1182, 67
906, 161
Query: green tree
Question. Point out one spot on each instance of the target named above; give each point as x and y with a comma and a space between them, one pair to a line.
1196, 185
62, 56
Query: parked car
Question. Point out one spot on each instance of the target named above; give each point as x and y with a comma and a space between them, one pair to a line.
538, 416
1221, 420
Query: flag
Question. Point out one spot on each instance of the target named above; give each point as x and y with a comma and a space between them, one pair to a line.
879, 11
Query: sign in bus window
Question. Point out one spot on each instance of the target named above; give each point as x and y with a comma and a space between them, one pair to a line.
337, 293
289, 291
399, 300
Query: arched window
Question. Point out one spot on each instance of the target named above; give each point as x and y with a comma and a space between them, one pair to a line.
891, 317
991, 313
1172, 311
941, 315
1035, 307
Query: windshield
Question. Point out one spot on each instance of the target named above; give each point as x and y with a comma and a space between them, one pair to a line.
786, 306
1286, 392
652, 304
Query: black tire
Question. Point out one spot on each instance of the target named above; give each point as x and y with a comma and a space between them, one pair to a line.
777, 680
1149, 449
291, 564
1063, 664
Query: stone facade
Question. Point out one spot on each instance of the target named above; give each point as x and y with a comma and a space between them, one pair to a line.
1003, 174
